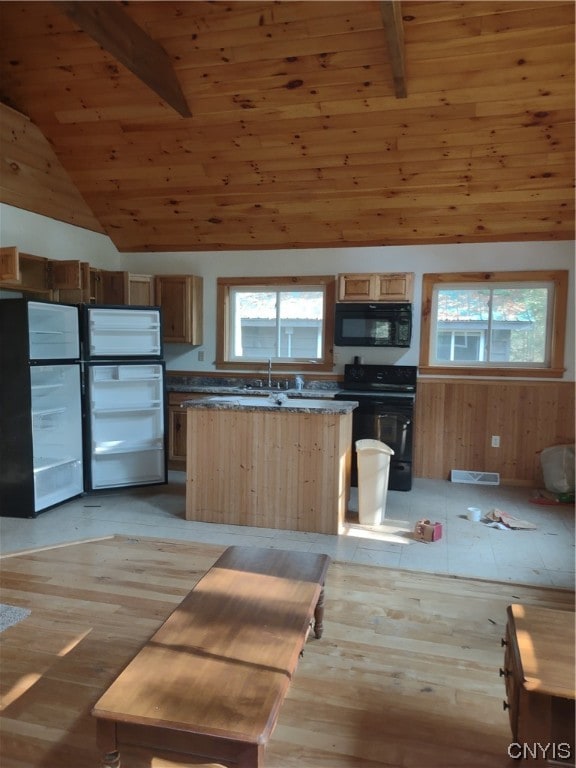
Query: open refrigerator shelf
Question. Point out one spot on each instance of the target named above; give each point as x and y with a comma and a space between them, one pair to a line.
153, 406
46, 463
126, 446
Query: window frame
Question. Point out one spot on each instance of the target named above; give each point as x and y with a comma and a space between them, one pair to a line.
554, 370
224, 285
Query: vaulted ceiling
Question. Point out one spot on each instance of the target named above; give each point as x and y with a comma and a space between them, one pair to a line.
233, 125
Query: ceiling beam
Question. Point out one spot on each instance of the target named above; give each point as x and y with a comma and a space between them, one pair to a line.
111, 27
392, 15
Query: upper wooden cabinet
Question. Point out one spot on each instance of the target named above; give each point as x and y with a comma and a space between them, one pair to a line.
78, 294
119, 287
9, 264
40, 277
180, 297
141, 290
386, 286
72, 281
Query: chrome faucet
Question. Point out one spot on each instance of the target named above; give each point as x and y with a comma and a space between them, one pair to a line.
269, 373
299, 381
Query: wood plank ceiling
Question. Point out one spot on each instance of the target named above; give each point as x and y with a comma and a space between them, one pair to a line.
297, 136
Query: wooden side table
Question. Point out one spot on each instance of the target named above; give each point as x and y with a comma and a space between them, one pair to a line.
539, 677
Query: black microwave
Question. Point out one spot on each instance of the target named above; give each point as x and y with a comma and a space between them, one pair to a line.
373, 325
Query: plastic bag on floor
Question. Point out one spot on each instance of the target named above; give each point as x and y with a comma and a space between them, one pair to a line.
558, 468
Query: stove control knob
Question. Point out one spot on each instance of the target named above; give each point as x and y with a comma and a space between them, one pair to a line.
357, 373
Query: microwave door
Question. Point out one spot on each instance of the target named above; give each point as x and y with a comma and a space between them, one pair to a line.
373, 325
355, 328
381, 332
367, 331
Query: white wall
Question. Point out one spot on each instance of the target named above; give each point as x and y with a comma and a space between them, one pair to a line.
45, 237
42, 236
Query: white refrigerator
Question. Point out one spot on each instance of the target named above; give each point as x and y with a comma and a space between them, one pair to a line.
41, 440
124, 397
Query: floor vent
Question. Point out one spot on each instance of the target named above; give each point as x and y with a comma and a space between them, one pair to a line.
477, 478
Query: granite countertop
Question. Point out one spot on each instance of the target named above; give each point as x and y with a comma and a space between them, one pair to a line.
252, 391
275, 402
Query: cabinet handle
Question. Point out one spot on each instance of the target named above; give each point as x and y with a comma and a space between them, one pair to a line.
503, 642
504, 672
505, 705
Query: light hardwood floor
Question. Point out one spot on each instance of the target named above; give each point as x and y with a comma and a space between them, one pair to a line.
405, 676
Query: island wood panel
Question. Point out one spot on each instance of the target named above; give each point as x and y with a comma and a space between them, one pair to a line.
398, 648
297, 138
455, 420
268, 469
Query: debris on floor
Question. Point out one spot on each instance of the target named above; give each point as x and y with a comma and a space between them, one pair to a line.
509, 521
543, 496
424, 530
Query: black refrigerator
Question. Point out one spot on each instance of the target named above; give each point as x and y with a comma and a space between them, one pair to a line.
41, 423
125, 396
82, 402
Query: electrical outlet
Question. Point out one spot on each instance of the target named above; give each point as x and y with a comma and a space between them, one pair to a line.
200, 356
495, 441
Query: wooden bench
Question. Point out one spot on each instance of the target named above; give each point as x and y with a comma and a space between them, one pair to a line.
210, 682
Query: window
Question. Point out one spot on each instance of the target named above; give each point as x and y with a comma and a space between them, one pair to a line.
288, 320
498, 323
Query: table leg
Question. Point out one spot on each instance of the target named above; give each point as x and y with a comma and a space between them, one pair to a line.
251, 757
319, 615
111, 760
107, 743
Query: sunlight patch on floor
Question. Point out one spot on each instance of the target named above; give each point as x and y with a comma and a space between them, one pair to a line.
19, 689
393, 531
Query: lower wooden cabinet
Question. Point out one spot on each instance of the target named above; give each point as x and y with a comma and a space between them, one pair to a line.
176, 437
177, 429
538, 673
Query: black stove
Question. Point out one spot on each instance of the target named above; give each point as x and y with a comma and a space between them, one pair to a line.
386, 395
390, 380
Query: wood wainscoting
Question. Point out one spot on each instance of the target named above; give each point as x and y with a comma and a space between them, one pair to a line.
456, 418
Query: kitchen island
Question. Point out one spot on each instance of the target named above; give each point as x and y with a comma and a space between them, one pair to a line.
269, 462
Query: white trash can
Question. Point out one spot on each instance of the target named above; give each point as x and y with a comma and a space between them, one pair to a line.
373, 472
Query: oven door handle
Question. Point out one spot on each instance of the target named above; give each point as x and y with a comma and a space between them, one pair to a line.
394, 405
390, 413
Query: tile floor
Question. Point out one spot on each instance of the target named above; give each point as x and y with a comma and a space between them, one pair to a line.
544, 556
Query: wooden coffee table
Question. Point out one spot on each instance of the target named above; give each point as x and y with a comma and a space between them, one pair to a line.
211, 680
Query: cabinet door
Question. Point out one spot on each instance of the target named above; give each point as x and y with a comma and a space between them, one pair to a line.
394, 286
95, 292
355, 287
180, 297
141, 290
81, 294
34, 276
114, 287
176, 437
65, 274
9, 264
